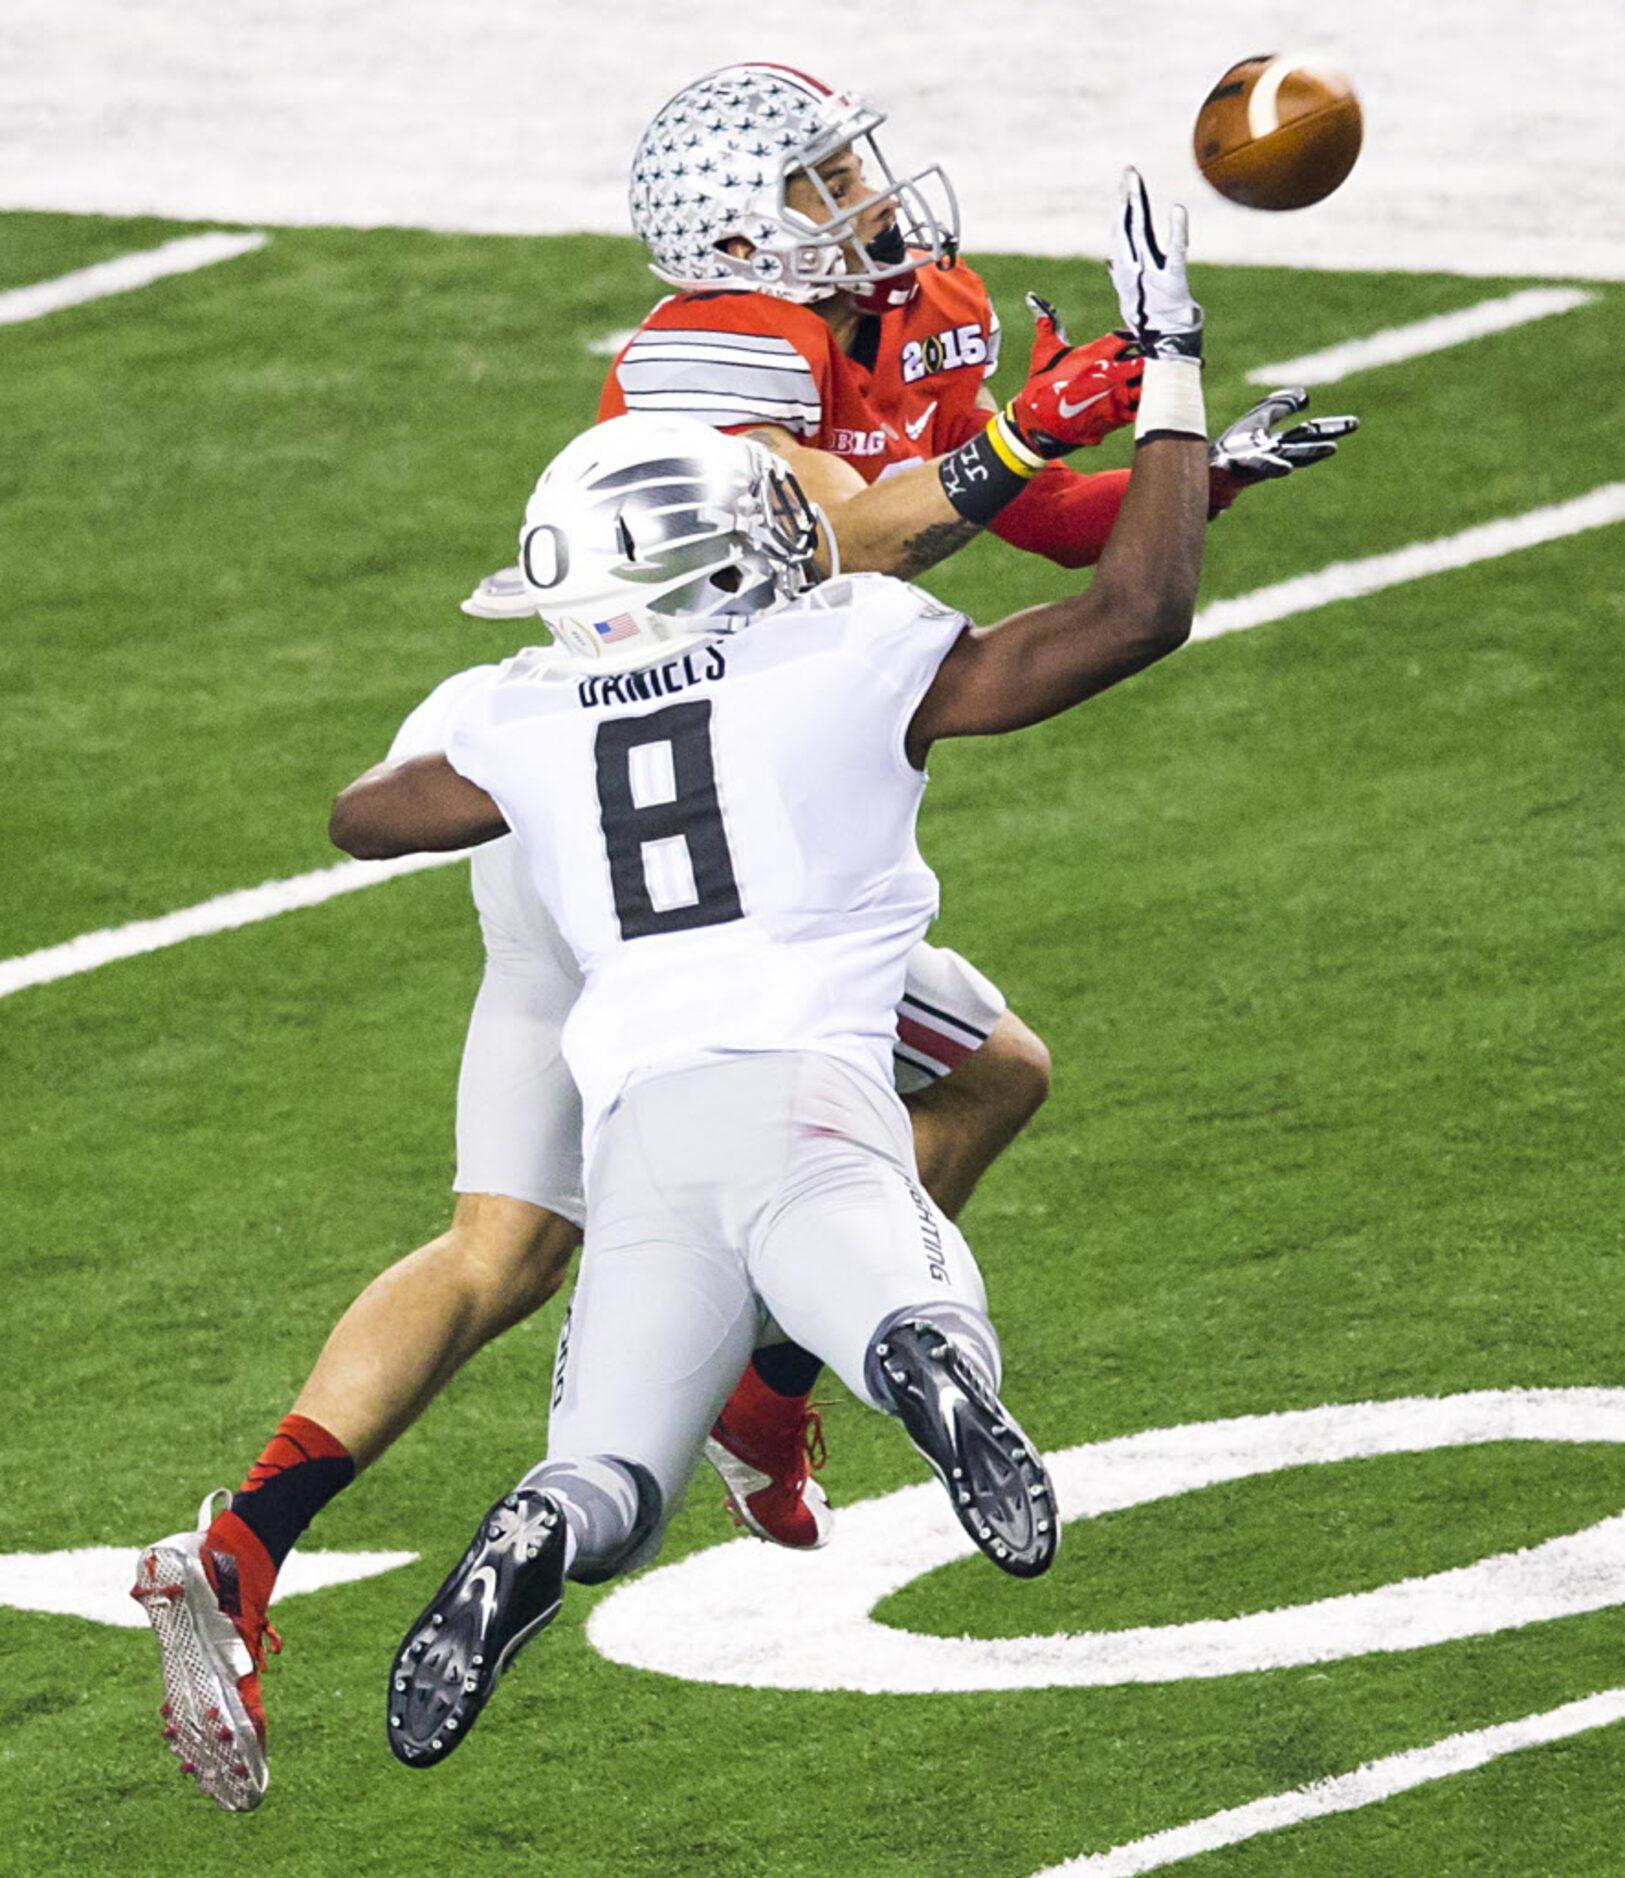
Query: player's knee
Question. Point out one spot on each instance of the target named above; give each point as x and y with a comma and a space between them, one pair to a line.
1018, 1068
513, 1254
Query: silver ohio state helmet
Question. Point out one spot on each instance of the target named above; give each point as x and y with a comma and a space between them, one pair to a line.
715, 162
648, 534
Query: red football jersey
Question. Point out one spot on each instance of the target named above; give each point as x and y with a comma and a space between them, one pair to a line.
735, 360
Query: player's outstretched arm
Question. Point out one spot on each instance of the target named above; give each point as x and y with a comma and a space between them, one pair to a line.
1140, 605
913, 518
412, 807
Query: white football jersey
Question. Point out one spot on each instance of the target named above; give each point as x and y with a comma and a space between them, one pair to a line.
513, 921
726, 840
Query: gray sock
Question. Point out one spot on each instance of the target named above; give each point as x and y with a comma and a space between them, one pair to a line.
607, 1507
969, 1330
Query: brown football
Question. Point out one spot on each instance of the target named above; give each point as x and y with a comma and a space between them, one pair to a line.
1278, 132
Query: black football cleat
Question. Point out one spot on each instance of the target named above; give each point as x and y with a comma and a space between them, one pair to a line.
508, 1585
995, 1477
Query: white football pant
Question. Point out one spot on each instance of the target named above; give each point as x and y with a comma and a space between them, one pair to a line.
518, 1112
751, 1187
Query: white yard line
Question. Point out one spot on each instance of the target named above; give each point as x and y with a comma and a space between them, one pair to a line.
1343, 580
245, 907
611, 343
1394, 343
1349, 580
123, 274
1376, 1780
92, 1582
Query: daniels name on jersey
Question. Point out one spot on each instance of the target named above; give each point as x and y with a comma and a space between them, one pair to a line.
726, 840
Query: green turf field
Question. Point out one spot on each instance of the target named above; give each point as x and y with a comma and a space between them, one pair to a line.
1320, 921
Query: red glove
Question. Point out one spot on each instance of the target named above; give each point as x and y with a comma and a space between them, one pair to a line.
1074, 395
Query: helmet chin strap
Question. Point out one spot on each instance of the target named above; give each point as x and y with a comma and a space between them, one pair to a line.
888, 249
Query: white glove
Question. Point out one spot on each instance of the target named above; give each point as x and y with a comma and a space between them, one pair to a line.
1151, 288
502, 595
1251, 452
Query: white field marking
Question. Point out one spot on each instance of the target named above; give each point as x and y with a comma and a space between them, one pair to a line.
227, 910
755, 1616
611, 343
93, 1581
1414, 341
1350, 580
123, 274
1375, 1780
1343, 580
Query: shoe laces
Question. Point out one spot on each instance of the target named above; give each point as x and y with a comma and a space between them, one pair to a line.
264, 1638
813, 1436
810, 1441
258, 1633
801, 1434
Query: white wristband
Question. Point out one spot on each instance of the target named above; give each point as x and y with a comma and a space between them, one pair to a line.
1171, 400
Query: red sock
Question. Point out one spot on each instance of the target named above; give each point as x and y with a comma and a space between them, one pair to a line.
757, 1402
297, 1439
303, 1466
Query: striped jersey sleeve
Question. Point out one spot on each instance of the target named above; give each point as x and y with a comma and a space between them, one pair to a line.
949, 1009
724, 379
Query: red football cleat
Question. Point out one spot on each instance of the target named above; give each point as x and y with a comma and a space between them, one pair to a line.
766, 1447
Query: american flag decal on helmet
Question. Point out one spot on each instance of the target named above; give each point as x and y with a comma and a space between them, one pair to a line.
622, 626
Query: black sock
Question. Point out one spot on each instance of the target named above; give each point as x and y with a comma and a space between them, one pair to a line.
786, 1368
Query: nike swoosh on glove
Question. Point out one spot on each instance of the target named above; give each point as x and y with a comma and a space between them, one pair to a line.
1074, 395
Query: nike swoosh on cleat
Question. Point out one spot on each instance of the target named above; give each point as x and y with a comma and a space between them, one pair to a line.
1072, 410
917, 427
486, 1579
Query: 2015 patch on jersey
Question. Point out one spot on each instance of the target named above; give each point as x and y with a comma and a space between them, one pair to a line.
944, 351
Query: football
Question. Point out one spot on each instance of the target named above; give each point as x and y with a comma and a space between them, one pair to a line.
1278, 132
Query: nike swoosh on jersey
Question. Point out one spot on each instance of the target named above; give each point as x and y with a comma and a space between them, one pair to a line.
920, 422
1072, 410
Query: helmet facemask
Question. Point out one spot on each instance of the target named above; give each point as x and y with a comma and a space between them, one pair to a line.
802, 253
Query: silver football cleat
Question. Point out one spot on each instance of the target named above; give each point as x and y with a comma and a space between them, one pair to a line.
212, 1718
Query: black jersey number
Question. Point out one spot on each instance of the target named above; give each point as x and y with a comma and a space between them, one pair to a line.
693, 816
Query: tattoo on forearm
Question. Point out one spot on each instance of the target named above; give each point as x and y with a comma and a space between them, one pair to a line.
934, 544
